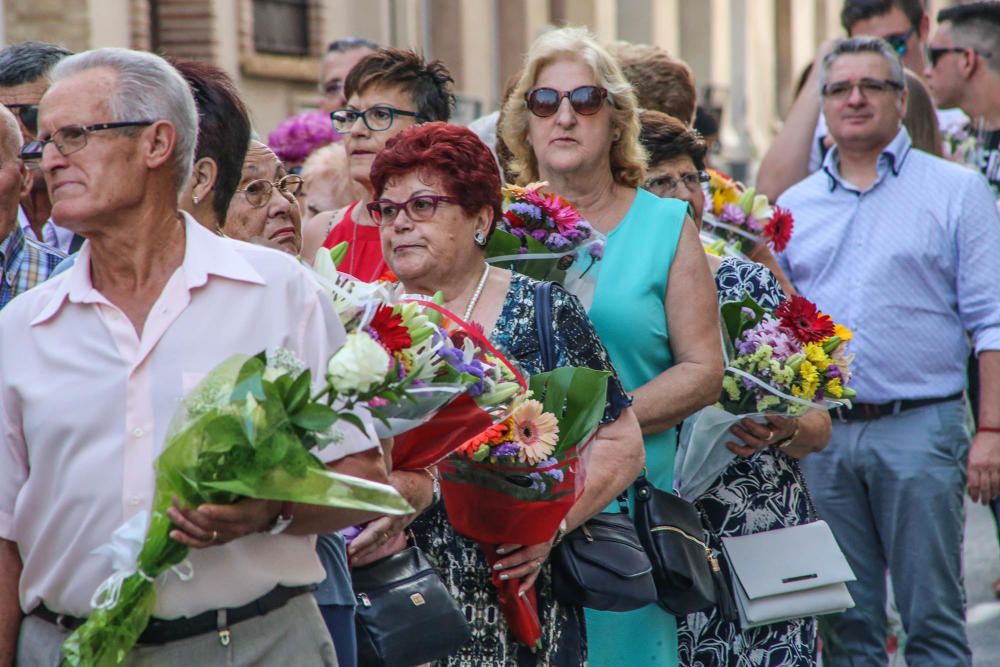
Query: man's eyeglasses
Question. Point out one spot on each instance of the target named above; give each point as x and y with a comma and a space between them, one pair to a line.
72, 138
376, 119
899, 41
419, 208
840, 90
585, 100
28, 113
258, 192
692, 180
934, 53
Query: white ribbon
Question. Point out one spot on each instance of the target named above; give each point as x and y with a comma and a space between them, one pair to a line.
715, 222
124, 548
827, 403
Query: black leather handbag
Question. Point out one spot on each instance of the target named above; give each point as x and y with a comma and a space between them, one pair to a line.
687, 575
602, 565
405, 615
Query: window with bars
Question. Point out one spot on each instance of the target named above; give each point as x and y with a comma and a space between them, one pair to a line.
281, 26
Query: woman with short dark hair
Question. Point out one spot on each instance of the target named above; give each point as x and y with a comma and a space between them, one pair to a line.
437, 199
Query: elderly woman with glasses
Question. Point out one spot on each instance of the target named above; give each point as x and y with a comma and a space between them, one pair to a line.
387, 92
763, 488
437, 199
572, 122
264, 210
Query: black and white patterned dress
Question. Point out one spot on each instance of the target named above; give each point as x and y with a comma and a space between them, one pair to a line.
459, 560
753, 495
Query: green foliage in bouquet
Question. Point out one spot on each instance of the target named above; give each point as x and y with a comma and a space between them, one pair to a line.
246, 431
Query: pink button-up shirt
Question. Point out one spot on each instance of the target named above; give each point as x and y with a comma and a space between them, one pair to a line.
85, 404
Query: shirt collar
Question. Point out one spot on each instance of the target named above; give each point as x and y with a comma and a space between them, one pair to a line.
891, 158
204, 254
10, 253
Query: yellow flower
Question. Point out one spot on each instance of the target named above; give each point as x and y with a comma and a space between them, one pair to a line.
842, 332
810, 380
816, 355
834, 388
535, 432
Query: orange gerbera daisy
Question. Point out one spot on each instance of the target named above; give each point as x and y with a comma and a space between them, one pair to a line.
535, 432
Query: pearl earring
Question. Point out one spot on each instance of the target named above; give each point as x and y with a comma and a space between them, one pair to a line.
480, 238
194, 199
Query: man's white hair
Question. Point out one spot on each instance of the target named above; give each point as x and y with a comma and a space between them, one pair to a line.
149, 88
10, 141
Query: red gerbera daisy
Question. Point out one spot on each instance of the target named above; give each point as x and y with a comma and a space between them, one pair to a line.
779, 228
389, 330
808, 324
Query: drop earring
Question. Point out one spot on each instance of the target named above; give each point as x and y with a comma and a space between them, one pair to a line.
194, 199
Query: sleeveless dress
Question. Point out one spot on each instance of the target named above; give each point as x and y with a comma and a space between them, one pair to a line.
628, 313
459, 559
752, 495
364, 258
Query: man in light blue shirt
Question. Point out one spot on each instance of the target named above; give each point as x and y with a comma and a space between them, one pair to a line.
902, 248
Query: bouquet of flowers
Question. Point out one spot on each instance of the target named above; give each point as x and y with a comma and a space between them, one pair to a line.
248, 430
490, 388
742, 218
784, 362
516, 481
544, 237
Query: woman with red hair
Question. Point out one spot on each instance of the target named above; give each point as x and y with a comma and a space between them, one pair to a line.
436, 200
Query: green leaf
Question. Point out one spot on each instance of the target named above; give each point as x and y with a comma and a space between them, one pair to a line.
314, 417
299, 392
353, 419
577, 398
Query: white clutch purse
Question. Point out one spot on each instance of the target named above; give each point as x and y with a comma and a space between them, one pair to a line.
788, 573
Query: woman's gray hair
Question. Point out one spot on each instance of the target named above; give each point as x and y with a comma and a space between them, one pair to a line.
865, 44
149, 88
10, 131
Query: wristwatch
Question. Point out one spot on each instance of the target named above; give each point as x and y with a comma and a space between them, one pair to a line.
283, 519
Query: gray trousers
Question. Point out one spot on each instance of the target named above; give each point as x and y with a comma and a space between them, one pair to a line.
892, 491
292, 635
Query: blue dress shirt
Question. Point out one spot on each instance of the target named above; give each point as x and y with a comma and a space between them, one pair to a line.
911, 265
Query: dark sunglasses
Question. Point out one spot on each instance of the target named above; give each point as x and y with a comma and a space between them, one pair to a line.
28, 113
585, 100
898, 40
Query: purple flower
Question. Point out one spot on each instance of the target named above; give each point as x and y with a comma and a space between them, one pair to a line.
298, 136
557, 242
525, 211
597, 250
769, 332
833, 371
733, 214
518, 232
506, 449
554, 473
351, 532
539, 234
753, 224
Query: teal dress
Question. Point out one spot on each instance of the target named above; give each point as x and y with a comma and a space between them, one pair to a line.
628, 313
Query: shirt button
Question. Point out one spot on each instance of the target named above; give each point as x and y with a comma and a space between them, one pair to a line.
134, 500
137, 432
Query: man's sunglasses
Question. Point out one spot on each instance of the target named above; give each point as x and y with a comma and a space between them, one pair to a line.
585, 100
934, 53
898, 40
28, 113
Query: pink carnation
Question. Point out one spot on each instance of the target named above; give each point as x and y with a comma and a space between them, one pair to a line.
769, 332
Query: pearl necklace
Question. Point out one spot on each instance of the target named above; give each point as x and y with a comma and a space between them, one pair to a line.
476, 294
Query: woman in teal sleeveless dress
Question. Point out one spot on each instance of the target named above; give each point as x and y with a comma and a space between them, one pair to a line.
571, 120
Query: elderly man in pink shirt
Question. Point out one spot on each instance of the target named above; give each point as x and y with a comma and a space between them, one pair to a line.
94, 362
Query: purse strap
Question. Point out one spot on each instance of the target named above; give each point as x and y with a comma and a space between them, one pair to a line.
543, 322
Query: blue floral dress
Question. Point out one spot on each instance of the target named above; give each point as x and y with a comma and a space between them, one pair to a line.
459, 560
756, 494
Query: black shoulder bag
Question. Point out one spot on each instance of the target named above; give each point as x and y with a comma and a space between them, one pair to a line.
601, 564
405, 615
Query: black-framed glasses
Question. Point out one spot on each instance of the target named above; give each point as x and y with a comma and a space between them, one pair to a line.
258, 192
899, 41
419, 208
28, 113
72, 138
839, 90
667, 183
377, 118
585, 100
